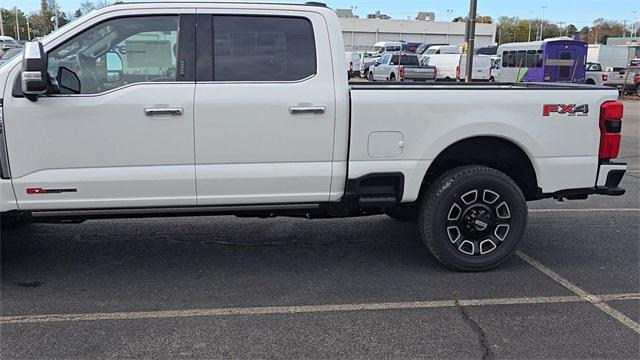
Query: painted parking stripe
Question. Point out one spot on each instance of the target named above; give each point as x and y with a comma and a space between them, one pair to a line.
584, 210
595, 300
271, 310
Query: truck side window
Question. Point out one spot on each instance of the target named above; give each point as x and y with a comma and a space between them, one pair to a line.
116, 53
263, 48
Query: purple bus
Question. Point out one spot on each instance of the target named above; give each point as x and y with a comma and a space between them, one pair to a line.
550, 60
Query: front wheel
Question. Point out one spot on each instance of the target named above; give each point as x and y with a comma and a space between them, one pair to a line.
472, 218
371, 77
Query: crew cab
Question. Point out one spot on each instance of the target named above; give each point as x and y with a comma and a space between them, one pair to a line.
131, 112
401, 67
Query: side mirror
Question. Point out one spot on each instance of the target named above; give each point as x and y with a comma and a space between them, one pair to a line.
114, 66
68, 81
34, 70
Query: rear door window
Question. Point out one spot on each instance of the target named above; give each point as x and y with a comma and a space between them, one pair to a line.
263, 48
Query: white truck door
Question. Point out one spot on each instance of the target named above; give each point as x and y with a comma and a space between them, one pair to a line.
264, 108
117, 128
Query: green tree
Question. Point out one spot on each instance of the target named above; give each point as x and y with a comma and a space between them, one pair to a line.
9, 23
571, 30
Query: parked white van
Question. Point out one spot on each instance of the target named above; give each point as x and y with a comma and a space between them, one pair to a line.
443, 49
451, 66
481, 67
385, 46
355, 63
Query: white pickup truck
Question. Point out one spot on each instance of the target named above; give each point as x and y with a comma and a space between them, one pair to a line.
131, 112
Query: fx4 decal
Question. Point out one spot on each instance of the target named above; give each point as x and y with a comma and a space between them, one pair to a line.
569, 109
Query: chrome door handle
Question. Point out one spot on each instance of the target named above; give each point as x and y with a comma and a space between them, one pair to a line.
294, 110
163, 111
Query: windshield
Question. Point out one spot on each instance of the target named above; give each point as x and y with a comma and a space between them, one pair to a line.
10, 54
421, 48
431, 51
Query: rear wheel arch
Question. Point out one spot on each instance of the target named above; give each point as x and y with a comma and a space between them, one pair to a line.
495, 152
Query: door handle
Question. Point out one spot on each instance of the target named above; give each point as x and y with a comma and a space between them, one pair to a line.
295, 110
163, 111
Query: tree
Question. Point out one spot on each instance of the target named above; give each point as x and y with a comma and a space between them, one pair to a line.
571, 30
9, 23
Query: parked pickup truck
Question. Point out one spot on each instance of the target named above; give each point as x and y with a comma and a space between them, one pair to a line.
401, 67
595, 75
131, 112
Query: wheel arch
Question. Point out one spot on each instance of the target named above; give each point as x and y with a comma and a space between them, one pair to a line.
496, 152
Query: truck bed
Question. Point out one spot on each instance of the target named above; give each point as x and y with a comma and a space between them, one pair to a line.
404, 127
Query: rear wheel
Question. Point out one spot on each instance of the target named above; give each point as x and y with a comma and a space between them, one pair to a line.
392, 78
371, 77
472, 218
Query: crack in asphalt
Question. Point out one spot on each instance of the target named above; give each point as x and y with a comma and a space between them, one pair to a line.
487, 354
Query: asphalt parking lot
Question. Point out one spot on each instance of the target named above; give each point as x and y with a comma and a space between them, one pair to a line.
349, 288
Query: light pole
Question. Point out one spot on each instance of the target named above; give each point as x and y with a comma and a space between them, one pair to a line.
530, 17
1, 25
17, 24
542, 23
471, 35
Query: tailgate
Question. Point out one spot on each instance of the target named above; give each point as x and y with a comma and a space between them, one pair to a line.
419, 73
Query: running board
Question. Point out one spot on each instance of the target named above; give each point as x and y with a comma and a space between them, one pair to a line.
169, 211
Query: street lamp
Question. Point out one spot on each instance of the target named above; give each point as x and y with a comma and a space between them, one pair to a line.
530, 18
542, 23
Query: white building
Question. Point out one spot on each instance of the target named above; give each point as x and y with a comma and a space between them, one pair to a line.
361, 34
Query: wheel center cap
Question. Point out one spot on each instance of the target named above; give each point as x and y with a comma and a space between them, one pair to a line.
480, 225
477, 219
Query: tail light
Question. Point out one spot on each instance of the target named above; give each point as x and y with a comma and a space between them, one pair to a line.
401, 72
611, 113
605, 77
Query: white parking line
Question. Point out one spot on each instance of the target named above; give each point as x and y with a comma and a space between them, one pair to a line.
270, 310
595, 300
584, 210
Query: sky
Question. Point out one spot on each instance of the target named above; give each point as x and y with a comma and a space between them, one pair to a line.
577, 12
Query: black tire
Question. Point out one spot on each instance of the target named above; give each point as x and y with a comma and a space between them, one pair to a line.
11, 223
590, 82
463, 231
405, 214
371, 79
392, 78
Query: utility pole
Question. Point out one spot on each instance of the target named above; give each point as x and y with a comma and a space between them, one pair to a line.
530, 17
542, 24
1, 25
54, 19
28, 29
17, 25
471, 35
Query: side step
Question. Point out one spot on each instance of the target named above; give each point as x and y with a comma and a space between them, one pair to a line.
374, 201
378, 190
